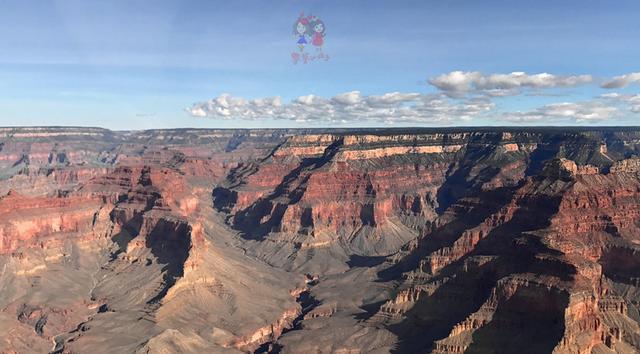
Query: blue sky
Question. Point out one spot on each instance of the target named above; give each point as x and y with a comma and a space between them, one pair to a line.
138, 64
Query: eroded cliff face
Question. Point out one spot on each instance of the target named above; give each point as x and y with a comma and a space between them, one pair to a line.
436, 240
502, 239
106, 242
528, 273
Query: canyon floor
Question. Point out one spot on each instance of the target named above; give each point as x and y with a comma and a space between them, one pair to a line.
474, 240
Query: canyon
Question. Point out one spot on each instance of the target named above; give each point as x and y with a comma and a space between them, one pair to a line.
403, 240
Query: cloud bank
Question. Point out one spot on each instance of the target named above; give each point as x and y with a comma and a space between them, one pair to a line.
457, 83
460, 97
347, 107
630, 101
579, 112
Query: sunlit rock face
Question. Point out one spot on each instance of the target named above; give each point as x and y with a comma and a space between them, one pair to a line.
377, 240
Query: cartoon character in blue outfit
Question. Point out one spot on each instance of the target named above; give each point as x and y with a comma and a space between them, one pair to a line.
301, 29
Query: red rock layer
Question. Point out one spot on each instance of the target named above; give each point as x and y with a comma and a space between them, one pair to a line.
29, 222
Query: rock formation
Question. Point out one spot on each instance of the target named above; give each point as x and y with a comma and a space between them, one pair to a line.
379, 240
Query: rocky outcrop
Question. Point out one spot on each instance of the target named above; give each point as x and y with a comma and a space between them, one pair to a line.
626, 166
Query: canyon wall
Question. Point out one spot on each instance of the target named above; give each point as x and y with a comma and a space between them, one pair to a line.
400, 240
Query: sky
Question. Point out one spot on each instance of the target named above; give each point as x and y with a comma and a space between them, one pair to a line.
226, 64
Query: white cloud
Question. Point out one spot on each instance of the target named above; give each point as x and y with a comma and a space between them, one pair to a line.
308, 100
634, 102
621, 81
579, 112
229, 107
391, 98
631, 102
347, 98
347, 107
458, 83
197, 112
